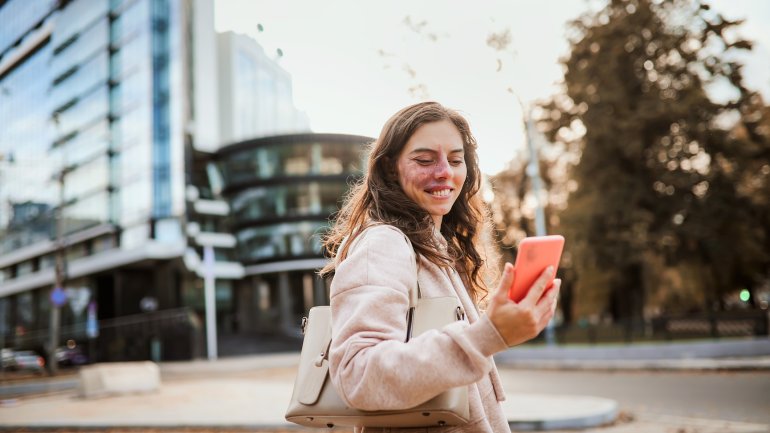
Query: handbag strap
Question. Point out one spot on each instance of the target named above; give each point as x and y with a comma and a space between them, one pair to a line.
414, 293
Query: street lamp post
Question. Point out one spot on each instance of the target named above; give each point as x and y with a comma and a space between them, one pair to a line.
533, 171
58, 296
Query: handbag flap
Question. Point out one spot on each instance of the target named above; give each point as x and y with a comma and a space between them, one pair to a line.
435, 313
314, 359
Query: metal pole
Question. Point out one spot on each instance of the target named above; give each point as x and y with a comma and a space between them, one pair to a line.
211, 305
61, 277
533, 171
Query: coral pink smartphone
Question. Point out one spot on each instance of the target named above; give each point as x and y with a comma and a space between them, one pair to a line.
535, 254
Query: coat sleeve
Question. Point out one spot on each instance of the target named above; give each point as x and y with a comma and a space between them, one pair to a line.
371, 366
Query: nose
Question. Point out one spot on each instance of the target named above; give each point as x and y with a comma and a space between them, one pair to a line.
443, 170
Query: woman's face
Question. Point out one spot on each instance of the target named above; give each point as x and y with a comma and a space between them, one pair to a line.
431, 168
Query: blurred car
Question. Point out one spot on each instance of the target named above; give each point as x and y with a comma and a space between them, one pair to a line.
70, 356
6, 359
23, 360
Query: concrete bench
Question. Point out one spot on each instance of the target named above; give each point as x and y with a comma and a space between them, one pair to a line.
115, 378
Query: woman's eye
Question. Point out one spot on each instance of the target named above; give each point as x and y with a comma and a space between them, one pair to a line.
456, 162
424, 161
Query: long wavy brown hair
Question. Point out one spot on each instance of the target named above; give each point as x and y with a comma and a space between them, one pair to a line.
377, 198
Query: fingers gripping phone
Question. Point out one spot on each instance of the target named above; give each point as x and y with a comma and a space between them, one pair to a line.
535, 254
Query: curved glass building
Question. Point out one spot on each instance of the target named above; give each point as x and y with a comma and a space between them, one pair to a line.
282, 190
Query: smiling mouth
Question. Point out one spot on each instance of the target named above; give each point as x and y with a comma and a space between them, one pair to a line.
440, 192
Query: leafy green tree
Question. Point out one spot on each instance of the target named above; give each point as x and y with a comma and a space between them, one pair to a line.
670, 212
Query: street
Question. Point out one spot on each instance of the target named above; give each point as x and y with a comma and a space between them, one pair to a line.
732, 396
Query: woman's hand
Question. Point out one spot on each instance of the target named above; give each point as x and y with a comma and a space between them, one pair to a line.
523, 321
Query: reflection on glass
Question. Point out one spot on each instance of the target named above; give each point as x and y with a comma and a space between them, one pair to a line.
281, 240
18, 16
91, 40
27, 192
295, 159
312, 198
86, 212
87, 178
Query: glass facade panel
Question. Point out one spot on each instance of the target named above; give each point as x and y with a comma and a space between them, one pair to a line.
294, 159
134, 53
339, 158
24, 268
87, 144
86, 212
47, 262
331, 196
92, 40
24, 110
280, 241
25, 312
131, 90
289, 160
135, 200
131, 21
247, 97
135, 162
85, 78
274, 182
93, 106
267, 96
89, 177
26, 228
28, 167
18, 16
311, 198
77, 15
134, 125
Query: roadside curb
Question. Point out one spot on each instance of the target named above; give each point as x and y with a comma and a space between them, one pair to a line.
733, 355
534, 412
646, 365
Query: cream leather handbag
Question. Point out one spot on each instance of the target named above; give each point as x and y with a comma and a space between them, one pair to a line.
315, 402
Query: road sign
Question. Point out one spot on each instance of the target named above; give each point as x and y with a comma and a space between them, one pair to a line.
78, 299
92, 325
58, 297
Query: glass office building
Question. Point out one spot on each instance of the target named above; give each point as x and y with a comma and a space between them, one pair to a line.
282, 191
112, 181
97, 115
246, 70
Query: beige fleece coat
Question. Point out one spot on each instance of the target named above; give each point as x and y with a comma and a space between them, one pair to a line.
370, 364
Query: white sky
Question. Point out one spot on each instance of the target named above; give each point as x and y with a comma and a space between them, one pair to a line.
332, 50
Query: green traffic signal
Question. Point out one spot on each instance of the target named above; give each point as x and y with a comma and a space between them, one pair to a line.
745, 295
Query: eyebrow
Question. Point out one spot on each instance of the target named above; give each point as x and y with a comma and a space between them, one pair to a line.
425, 149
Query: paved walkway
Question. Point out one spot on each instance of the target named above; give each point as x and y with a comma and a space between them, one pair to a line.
251, 393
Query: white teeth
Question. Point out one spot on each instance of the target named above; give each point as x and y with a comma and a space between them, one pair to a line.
441, 193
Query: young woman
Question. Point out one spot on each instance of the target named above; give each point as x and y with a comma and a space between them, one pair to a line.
422, 182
